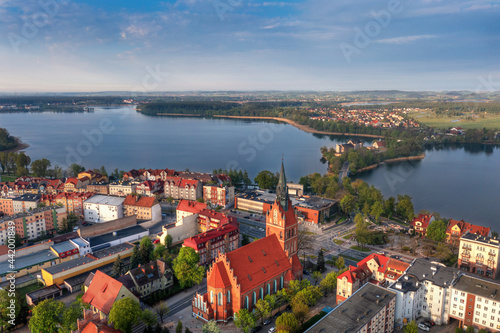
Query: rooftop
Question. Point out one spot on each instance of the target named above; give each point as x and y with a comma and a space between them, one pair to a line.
406, 284
478, 287
105, 200
28, 213
356, 311
481, 239
63, 247
29, 260
28, 197
44, 292
312, 202
437, 273
118, 234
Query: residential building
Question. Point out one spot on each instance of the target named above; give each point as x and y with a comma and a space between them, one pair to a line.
58, 273
72, 201
149, 278
222, 196
182, 188
479, 255
340, 149
122, 188
98, 188
456, 229
74, 184
92, 323
378, 144
370, 309
66, 249
145, 208
94, 177
103, 208
34, 223
409, 299
25, 202
476, 302
436, 280
211, 243
421, 222
375, 268
210, 219
150, 188
6, 206
239, 278
103, 292
187, 208
356, 143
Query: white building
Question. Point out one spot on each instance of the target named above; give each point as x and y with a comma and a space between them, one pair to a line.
476, 302
122, 189
409, 299
82, 245
103, 208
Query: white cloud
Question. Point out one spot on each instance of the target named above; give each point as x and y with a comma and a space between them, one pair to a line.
404, 39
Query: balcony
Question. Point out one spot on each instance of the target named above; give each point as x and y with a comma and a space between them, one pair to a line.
467, 247
465, 254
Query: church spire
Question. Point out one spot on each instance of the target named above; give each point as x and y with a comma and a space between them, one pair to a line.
282, 189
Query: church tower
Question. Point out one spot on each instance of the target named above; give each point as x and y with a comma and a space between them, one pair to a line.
281, 219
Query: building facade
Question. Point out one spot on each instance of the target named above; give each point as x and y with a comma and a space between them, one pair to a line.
145, 208
456, 229
421, 222
102, 208
479, 255
222, 196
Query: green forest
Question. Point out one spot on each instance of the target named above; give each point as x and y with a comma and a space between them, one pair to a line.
6, 140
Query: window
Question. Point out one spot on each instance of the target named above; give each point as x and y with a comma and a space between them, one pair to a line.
275, 286
281, 282
229, 296
220, 298
268, 289
246, 302
211, 297
254, 299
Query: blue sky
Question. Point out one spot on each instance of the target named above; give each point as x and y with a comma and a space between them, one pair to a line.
90, 45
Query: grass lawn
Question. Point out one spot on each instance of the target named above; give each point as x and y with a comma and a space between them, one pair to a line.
341, 220
32, 287
338, 241
490, 121
6, 178
355, 247
348, 236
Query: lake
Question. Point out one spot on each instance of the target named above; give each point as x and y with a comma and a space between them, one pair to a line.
457, 182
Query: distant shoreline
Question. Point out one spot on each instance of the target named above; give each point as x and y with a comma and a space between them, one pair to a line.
392, 160
20, 145
304, 128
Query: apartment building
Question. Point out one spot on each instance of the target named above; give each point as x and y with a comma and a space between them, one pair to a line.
181, 188
25, 202
145, 208
222, 196
479, 255
103, 208
122, 189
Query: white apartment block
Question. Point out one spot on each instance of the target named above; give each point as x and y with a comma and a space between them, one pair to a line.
479, 255
122, 189
409, 299
103, 208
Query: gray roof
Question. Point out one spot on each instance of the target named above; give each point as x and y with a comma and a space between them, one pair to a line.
63, 247
105, 200
406, 283
29, 260
28, 197
85, 260
478, 287
80, 242
356, 311
424, 270
482, 239
47, 291
122, 233
269, 197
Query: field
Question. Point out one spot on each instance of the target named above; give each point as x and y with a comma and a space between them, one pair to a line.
6, 178
490, 121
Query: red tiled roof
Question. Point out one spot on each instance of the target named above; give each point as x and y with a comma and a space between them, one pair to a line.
296, 266
102, 292
191, 206
189, 182
257, 262
464, 227
140, 201
218, 277
72, 180
92, 327
210, 234
424, 218
397, 265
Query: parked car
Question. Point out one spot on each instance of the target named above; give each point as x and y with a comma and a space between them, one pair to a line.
423, 327
267, 321
156, 241
431, 322
272, 330
426, 323
277, 314
306, 272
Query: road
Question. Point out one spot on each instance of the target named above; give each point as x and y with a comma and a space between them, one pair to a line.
176, 307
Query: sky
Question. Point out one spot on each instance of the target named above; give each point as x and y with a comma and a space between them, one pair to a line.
187, 45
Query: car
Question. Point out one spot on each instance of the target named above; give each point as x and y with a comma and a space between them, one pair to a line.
423, 327
156, 241
277, 314
426, 323
306, 272
267, 321
272, 330
431, 322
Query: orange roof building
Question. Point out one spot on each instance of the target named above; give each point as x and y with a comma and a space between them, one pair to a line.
421, 222
103, 292
144, 207
238, 279
456, 229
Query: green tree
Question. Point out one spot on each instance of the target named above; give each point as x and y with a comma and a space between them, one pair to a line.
162, 310
411, 327
317, 276
405, 208
287, 322
40, 167
459, 330
146, 248
309, 295
272, 301
186, 267
245, 320
211, 327
340, 263
168, 241
135, 260
245, 240
377, 210
470, 329
266, 179
70, 316
124, 314
482, 330
262, 309
187, 330
366, 209
178, 328
300, 310
118, 268
437, 230
389, 206
159, 251
348, 203
8, 302
329, 283
46, 316
75, 169
320, 263
361, 232
149, 318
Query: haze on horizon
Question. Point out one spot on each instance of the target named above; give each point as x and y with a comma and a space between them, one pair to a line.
192, 45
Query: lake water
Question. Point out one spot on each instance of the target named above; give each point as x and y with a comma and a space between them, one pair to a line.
458, 183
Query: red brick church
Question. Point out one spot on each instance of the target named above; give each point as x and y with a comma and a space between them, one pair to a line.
240, 278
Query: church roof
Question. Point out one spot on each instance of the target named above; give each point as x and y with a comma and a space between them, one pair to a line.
218, 278
257, 262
